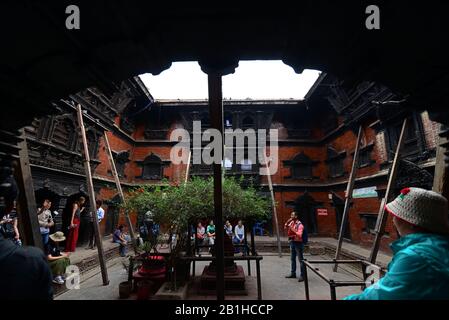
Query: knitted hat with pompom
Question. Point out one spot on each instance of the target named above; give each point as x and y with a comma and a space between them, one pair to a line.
423, 208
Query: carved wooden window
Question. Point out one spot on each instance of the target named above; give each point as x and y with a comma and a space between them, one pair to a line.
152, 168
335, 162
121, 158
414, 140
365, 159
92, 142
301, 167
64, 134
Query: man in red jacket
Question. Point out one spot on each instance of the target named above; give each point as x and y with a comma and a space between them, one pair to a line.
295, 229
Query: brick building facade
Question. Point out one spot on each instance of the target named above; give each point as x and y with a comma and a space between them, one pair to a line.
317, 139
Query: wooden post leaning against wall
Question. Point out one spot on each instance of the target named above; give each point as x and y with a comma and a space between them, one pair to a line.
441, 176
93, 205
273, 204
382, 217
120, 191
349, 189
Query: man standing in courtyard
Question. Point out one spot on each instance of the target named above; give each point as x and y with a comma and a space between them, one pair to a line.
419, 269
100, 216
295, 231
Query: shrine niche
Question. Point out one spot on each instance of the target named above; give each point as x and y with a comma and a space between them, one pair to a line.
301, 167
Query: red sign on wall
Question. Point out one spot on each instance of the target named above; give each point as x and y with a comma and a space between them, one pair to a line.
321, 211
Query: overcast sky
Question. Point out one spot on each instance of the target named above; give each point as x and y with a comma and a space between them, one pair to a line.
252, 79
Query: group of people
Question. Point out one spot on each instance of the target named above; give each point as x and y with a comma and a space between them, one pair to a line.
206, 236
58, 258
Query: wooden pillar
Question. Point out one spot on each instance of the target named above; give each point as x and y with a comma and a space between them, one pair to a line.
216, 118
93, 205
27, 210
349, 189
382, 217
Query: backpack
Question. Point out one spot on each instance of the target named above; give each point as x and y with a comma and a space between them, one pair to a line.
305, 235
7, 229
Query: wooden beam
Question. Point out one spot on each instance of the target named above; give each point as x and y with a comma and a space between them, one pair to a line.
119, 190
382, 217
216, 117
273, 204
349, 189
27, 210
93, 205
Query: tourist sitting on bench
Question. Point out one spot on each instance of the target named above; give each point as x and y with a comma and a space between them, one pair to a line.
119, 237
58, 261
239, 235
228, 229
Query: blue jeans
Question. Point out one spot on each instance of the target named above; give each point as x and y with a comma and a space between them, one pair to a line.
121, 248
45, 240
297, 249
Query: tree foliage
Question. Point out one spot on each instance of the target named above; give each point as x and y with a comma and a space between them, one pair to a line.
179, 205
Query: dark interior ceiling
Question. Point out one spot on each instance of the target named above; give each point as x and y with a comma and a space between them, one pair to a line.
42, 60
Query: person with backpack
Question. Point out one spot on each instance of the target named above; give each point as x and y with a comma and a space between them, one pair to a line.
297, 237
8, 226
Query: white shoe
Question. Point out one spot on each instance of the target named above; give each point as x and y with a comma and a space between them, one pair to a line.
58, 280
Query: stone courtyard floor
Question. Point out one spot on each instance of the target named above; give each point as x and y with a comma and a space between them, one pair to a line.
274, 284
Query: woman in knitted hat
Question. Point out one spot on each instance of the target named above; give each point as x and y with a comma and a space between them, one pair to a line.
420, 265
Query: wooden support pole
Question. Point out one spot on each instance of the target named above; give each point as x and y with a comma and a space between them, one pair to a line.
120, 191
441, 176
349, 189
273, 204
188, 167
93, 205
27, 210
216, 117
382, 217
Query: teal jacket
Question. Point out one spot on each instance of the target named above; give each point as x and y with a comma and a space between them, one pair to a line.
419, 270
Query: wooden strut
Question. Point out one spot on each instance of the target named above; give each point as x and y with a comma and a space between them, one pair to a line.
216, 118
120, 191
349, 189
382, 217
273, 203
93, 206
441, 176
188, 167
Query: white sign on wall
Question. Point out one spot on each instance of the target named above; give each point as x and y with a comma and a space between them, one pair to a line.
369, 192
